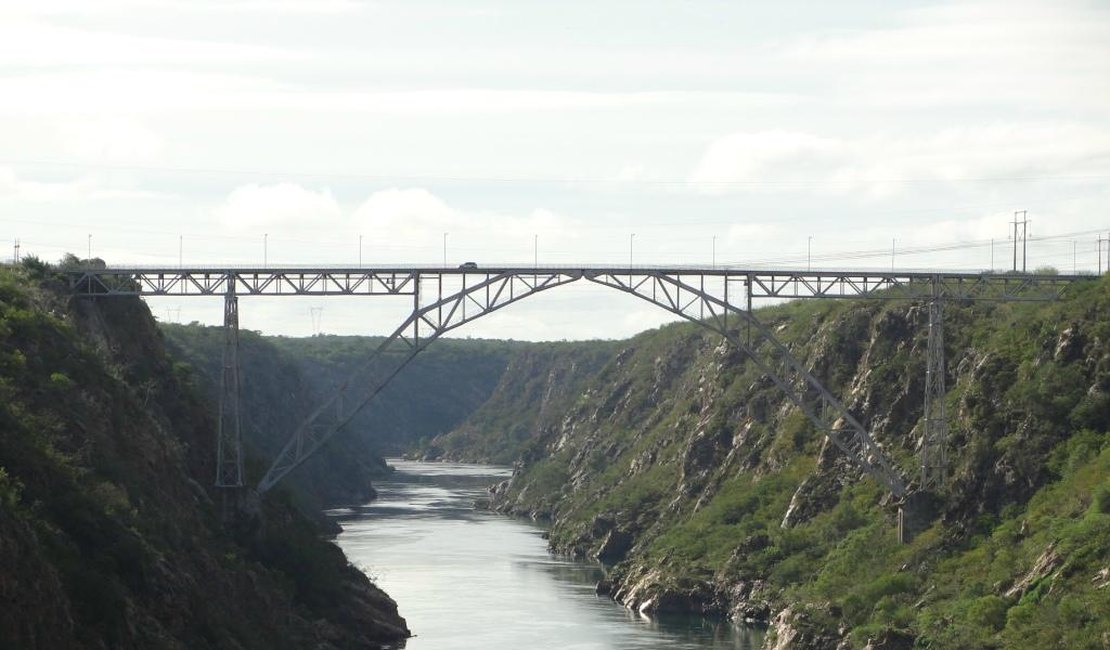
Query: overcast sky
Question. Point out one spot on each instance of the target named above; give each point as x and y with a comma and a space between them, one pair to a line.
786, 133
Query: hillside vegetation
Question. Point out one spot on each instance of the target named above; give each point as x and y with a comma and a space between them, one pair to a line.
110, 532
682, 464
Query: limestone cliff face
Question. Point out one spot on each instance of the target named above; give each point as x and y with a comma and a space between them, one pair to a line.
110, 534
683, 465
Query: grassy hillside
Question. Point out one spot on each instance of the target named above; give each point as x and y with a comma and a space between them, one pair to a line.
680, 462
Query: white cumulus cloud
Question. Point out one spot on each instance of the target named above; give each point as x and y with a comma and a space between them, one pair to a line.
283, 205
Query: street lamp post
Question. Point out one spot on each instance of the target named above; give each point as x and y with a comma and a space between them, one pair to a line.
714, 253
631, 236
360, 251
809, 253
444, 250
265, 249
535, 251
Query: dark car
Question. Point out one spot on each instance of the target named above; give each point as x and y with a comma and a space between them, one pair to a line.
468, 265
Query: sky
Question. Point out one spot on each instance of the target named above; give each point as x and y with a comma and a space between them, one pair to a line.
857, 134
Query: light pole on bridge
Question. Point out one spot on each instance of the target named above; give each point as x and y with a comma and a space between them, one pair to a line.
444, 250
631, 236
714, 253
265, 249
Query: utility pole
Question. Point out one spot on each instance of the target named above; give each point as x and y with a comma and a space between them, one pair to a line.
992, 254
89, 258
1099, 245
15, 255
317, 316
892, 241
1024, 223
809, 253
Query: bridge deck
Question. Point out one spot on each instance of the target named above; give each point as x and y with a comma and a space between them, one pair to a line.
752, 283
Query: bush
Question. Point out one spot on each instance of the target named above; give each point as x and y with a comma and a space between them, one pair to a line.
1102, 499
988, 612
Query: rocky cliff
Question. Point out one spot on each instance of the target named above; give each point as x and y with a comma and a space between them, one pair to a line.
110, 534
683, 465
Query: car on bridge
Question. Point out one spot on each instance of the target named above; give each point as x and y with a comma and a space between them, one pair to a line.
466, 266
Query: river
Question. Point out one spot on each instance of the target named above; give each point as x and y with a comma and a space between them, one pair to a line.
466, 578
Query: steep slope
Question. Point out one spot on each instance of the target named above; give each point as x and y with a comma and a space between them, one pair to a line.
109, 535
276, 396
541, 380
684, 464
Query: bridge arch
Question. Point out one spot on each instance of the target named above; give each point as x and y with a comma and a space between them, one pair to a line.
709, 306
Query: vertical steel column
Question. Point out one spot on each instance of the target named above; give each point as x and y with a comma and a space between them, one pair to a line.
229, 456
934, 441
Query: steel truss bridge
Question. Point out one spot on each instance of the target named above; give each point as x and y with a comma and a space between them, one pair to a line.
718, 298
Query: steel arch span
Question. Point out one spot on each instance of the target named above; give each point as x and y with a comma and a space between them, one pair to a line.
696, 303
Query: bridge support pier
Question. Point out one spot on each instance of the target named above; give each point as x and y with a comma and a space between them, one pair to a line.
229, 448
934, 440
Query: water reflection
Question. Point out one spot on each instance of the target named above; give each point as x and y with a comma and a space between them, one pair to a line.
467, 578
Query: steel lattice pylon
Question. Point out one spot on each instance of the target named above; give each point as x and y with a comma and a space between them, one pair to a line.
934, 440
229, 446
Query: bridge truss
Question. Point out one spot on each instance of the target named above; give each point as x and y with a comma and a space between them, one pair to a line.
446, 298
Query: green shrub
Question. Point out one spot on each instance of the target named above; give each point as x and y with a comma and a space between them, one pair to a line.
989, 612
1102, 499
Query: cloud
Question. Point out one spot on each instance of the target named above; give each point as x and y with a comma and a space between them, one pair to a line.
284, 205
83, 7
783, 161
1005, 54
33, 43
404, 212
403, 222
106, 140
93, 187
